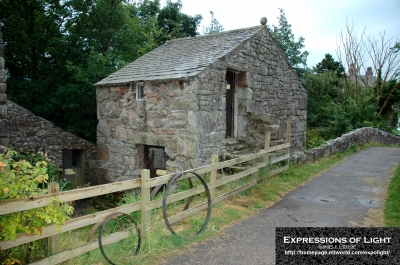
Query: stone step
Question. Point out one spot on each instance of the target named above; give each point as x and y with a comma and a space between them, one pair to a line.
233, 144
264, 118
229, 155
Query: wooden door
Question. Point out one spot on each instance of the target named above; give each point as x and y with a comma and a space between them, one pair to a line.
73, 159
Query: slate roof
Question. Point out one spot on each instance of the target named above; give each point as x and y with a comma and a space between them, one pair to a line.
181, 58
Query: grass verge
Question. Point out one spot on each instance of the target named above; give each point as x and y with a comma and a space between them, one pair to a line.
392, 205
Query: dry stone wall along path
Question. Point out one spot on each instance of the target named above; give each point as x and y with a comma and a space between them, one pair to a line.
350, 194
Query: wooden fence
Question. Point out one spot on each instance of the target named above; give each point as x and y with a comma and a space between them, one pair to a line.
145, 205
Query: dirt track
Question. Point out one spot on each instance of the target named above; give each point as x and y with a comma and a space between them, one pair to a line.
350, 194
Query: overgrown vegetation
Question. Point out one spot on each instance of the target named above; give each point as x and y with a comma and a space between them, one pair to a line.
20, 178
333, 108
392, 205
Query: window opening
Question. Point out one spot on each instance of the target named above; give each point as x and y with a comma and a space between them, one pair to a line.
140, 91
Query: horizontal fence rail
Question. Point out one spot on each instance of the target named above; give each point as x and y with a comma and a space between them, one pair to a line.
145, 205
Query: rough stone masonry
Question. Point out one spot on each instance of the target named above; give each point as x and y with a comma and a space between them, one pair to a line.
184, 111
4, 130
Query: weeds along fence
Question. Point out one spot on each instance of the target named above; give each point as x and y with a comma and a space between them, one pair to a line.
257, 160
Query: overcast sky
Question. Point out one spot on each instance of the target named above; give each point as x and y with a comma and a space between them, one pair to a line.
320, 22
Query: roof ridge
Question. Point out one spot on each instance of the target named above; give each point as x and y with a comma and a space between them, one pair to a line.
214, 34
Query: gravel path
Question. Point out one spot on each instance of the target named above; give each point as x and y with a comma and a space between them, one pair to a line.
350, 194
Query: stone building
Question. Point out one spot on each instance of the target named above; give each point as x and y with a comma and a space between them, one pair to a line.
194, 97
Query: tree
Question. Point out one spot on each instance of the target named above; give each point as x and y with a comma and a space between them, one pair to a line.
358, 51
175, 24
215, 26
291, 48
328, 64
31, 34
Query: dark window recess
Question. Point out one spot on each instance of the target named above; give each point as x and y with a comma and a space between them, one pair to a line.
140, 91
72, 158
155, 159
230, 102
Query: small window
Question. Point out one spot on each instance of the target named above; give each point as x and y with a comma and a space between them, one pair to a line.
139, 91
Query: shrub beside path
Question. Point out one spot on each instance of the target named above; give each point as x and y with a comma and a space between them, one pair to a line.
350, 194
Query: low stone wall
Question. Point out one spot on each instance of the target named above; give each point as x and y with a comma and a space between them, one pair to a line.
343, 143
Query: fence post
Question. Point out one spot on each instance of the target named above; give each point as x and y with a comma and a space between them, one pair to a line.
288, 129
53, 242
145, 175
266, 145
213, 175
255, 174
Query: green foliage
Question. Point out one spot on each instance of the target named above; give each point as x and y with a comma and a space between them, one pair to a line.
332, 109
389, 95
314, 139
392, 205
215, 26
129, 199
323, 93
284, 36
349, 115
176, 24
32, 156
21, 179
328, 64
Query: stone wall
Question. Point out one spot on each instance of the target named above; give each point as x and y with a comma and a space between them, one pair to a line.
343, 143
126, 125
4, 130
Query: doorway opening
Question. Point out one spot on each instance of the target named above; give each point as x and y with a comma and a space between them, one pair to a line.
230, 103
72, 161
155, 158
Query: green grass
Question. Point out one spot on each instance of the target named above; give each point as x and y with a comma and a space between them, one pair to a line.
392, 205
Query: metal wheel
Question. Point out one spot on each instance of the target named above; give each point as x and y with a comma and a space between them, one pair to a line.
119, 238
180, 228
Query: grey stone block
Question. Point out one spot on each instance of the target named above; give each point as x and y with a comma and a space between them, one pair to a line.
3, 87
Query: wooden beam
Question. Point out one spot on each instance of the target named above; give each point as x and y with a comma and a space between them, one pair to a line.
145, 200
213, 175
206, 169
288, 129
84, 248
53, 242
66, 196
75, 223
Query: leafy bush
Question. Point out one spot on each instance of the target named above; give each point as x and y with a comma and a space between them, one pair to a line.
21, 179
314, 139
32, 156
